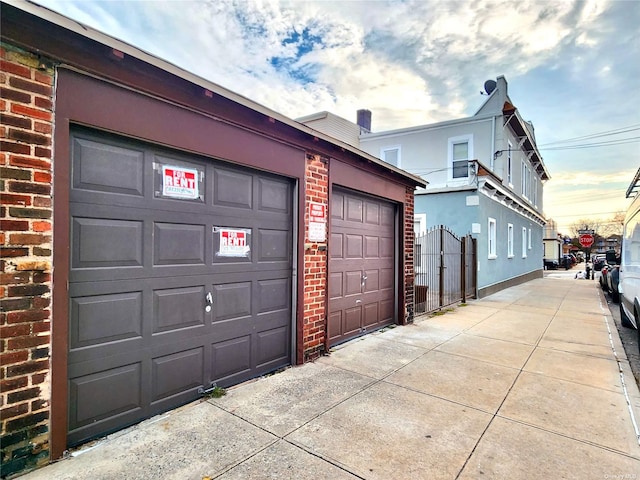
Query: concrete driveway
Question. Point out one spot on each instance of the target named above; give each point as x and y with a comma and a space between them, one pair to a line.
531, 382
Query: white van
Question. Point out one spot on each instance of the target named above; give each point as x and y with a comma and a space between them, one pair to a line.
629, 283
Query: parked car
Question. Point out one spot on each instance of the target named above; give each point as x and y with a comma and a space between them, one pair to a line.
604, 273
598, 263
550, 264
613, 277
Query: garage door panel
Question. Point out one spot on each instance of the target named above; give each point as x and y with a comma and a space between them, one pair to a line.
232, 189
274, 196
355, 247
354, 209
360, 269
273, 294
353, 283
105, 318
104, 394
371, 314
270, 346
372, 246
94, 169
178, 308
273, 245
336, 249
178, 244
372, 213
334, 325
99, 243
386, 278
230, 358
232, 300
352, 320
335, 285
175, 373
372, 283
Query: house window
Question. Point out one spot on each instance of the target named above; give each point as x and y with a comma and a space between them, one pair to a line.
534, 190
460, 152
524, 242
391, 155
510, 240
420, 224
529, 239
491, 238
526, 181
509, 165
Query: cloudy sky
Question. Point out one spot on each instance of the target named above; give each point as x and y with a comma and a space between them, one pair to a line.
573, 69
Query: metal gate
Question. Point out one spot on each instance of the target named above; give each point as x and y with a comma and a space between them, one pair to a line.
445, 272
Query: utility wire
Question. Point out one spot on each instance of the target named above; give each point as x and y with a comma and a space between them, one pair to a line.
617, 131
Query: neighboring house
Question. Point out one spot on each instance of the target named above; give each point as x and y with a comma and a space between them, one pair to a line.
162, 234
552, 241
485, 177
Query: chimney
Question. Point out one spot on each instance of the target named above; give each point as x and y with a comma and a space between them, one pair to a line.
364, 121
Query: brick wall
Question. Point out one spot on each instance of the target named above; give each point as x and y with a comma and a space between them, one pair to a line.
26, 93
315, 262
408, 255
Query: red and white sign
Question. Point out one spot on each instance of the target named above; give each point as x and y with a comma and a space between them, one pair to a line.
317, 212
586, 240
233, 243
179, 182
317, 222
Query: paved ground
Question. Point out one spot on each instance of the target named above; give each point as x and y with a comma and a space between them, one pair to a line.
523, 384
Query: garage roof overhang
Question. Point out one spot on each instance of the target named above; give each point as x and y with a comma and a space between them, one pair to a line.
524, 134
55, 37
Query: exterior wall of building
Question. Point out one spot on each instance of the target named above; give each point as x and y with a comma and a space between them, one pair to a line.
496, 271
425, 150
26, 243
459, 211
315, 262
335, 126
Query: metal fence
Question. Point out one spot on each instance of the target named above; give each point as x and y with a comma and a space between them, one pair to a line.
445, 269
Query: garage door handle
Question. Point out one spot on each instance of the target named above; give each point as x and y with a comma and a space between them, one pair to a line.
209, 298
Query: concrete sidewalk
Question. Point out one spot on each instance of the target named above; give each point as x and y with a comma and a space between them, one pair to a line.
522, 384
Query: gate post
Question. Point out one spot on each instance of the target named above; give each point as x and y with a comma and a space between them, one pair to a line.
442, 266
463, 268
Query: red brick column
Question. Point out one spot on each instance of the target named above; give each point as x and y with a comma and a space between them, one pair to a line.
315, 262
408, 255
26, 93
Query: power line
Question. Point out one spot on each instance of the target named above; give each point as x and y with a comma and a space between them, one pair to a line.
616, 131
611, 143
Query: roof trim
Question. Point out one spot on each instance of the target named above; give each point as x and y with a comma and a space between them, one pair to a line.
128, 49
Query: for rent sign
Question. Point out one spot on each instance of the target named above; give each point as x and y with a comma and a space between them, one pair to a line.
179, 182
233, 243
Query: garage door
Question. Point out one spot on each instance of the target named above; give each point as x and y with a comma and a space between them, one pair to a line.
180, 278
361, 265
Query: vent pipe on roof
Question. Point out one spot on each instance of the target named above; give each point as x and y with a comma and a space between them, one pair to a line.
364, 121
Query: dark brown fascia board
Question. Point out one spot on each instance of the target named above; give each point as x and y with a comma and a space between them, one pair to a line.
60, 39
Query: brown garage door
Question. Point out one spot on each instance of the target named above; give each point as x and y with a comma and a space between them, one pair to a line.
361, 265
180, 277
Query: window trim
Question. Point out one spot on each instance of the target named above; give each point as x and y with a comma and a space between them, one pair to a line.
510, 240
524, 242
529, 239
451, 141
492, 237
390, 148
